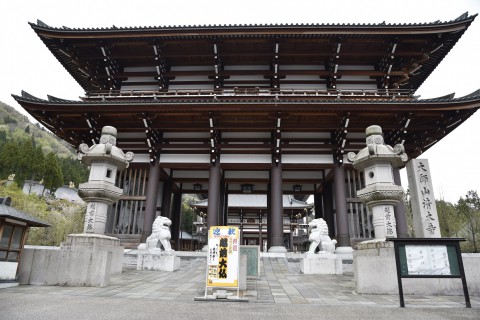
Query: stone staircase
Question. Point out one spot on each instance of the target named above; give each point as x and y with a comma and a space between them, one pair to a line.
128, 241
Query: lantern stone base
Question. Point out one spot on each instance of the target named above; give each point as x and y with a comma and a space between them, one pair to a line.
158, 260
321, 263
96, 242
84, 260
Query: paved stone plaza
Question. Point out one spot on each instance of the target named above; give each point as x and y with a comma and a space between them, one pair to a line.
280, 293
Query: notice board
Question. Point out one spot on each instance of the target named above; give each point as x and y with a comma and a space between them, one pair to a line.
429, 258
253, 260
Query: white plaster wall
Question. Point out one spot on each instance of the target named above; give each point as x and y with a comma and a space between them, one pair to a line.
8, 270
245, 158
184, 158
292, 158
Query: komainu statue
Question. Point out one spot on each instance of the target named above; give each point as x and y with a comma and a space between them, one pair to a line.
319, 236
160, 233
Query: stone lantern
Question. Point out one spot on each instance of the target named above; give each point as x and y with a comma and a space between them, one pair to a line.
104, 159
377, 160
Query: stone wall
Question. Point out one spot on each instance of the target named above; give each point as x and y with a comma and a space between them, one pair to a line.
82, 260
375, 273
65, 267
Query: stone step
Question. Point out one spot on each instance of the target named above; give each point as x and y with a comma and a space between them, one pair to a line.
128, 241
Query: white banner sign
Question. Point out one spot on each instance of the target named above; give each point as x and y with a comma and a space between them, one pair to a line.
223, 256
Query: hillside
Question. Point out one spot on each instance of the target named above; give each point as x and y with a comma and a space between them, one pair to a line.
15, 125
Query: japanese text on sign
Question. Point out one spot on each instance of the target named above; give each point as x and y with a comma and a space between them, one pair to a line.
423, 199
223, 256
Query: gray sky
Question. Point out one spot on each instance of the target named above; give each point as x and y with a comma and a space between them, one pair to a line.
26, 64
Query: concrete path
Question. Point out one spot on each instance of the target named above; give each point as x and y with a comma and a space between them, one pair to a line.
281, 292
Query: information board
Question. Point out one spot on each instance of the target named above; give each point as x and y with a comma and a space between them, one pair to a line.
428, 260
223, 256
253, 260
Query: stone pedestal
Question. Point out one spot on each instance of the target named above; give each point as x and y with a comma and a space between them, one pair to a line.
83, 260
95, 243
277, 249
374, 268
345, 253
321, 263
157, 261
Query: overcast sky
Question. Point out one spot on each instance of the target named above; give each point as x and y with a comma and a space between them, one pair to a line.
26, 64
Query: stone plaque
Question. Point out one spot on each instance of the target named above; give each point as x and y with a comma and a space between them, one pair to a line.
253, 260
425, 217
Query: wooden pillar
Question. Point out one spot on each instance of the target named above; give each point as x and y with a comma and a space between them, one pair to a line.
241, 227
327, 197
317, 202
151, 201
343, 236
260, 230
176, 219
225, 206
269, 215
213, 196
277, 210
221, 212
399, 209
167, 199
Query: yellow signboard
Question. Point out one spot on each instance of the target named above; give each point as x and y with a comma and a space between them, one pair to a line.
223, 256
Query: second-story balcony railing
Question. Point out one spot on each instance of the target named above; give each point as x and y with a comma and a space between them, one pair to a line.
251, 92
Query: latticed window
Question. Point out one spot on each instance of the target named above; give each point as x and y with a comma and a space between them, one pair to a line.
10, 241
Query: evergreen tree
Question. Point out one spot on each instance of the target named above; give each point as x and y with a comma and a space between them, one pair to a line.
25, 158
3, 137
448, 218
9, 159
469, 210
37, 165
53, 177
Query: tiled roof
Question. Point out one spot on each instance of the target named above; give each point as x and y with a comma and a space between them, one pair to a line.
461, 18
14, 214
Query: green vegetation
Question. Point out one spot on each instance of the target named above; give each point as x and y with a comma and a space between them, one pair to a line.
31, 153
188, 215
460, 220
64, 217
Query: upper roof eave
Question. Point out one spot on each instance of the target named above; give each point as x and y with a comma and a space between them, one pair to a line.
473, 97
309, 28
